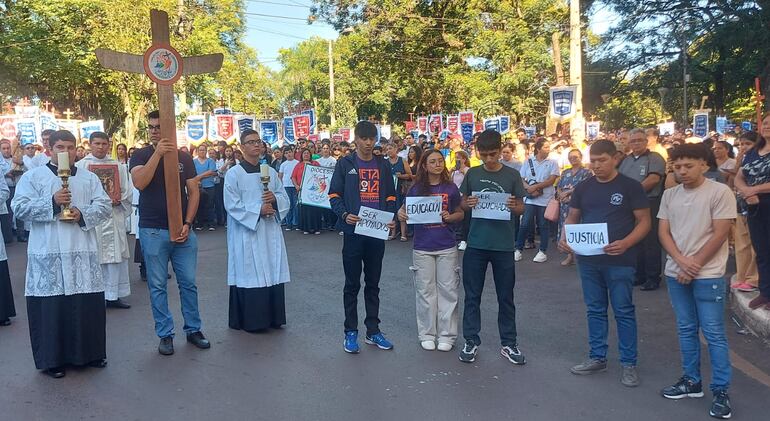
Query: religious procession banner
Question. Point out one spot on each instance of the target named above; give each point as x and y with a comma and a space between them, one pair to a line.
667, 129
346, 133
8, 126
563, 102
422, 125
301, 124
505, 124
466, 117
592, 129
195, 129
746, 126
314, 190
244, 122
26, 129
466, 129
435, 124
288, 129
531, 131
47, 122
453, 124
226, 128
268, 131
311, 114
336, 137
700, 124
721, 124
385, 131
492, 124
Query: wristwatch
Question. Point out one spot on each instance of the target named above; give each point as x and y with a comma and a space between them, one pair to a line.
189, 224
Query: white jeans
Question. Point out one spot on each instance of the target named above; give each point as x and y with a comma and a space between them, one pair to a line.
436, 282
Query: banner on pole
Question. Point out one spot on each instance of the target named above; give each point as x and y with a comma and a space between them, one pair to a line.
244, 122
409, 126
531, 131
667, 129
466, 129
700, 124
88, 127
336, 138
721, 123
314, 189
563, 102
310, 113
592, 129
70, 126
346, 133
195, 129
301, 124
746, 126
505, 124
26, 129
466, 117
47, 122
435, 124
268, 131
453, 124
288, 129
422, 125
226, 128
492, 124
8, 126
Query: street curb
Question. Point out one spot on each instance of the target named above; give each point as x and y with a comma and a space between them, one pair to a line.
757, 321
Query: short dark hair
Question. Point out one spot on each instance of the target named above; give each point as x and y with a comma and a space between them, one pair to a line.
689, 150
365, 129
489, 140
153, 114
539, 145
521, 130
751, 136
47, 132
61, 136
603, 147
98, 135
247, 132
422, 136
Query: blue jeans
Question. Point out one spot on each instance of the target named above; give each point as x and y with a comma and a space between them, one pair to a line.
533, 212
158, 250
475, 262
614, 284
292, 218
701, 305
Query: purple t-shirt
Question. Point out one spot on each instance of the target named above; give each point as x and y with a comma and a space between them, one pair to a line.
369, 182
435, 237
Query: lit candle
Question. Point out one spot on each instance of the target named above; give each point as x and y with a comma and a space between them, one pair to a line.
264, 170
64, 159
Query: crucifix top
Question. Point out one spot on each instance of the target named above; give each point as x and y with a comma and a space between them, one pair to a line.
47, 105
69, 114
163, 64
24, 102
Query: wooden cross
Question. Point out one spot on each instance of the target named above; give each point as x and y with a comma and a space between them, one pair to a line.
24, 102
69, 114
759, 99
164, 66
46, 104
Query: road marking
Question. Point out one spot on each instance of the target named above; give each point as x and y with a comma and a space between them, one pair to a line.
745, 366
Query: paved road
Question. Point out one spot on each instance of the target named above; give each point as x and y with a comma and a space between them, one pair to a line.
301, 373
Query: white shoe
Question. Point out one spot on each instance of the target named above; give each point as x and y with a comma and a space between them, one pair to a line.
428, 345
540, 257
517, 255
462, 245
444, 347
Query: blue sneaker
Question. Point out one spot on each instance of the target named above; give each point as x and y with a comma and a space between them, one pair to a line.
350, 345
379, 340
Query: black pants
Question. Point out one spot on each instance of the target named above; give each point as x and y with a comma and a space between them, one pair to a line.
648, 259
759, 230
475, 262
219, 203
359, 252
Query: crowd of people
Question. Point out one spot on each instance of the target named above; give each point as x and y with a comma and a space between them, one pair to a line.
688, 200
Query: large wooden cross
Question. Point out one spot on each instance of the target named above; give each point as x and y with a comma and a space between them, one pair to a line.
164, 66
759, 99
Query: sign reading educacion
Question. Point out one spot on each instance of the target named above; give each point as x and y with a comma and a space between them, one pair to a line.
424, 209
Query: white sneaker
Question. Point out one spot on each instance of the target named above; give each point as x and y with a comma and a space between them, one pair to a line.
462, 245
517, 255
540, 257
444, 347
428, 345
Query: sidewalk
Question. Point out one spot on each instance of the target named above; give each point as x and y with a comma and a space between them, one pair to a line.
758, 321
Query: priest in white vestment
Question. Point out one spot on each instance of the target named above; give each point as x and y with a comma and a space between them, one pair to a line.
257, 264
64, 284
7, 309
111, 234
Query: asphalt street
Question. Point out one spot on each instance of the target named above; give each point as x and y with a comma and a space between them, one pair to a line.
301, 373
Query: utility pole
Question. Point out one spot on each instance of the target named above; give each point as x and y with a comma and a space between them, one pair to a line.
576, 66
332, 117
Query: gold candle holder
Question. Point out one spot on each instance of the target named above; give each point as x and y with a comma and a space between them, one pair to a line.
66, 214
264, 176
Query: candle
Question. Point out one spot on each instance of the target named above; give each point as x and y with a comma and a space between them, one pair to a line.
264, 170
64, 159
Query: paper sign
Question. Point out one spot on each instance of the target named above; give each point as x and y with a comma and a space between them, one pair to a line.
315, 186
424, 209
587, 239
492, 205
373, 223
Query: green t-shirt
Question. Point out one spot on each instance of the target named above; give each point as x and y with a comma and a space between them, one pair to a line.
488, 234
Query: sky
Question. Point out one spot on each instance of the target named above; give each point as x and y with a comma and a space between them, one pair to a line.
268, 34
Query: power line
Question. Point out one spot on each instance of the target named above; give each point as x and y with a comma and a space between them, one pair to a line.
278, 4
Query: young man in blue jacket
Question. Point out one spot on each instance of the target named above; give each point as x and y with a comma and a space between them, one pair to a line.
362, 179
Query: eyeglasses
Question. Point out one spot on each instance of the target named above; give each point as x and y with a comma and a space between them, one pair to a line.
252, 142
151, 127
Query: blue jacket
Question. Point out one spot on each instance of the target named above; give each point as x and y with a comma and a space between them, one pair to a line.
344, 193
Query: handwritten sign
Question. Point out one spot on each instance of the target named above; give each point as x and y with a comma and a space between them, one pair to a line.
373, 223
423, 209
492, 205
587, 239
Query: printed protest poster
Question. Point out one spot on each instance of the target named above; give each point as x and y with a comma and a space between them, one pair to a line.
435, 124
88, 127
373, 223
466, 117
592, 129
315, 186
8, 126
422, 125
26, 129
700, 124
301, 124
423, 209
492, 205
268, 131
667, 129
453, 124
195, 129
587, 239
288, 129
505, 124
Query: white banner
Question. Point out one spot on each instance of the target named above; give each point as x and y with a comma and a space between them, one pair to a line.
563, 102
492, 205
667, 129
314, 190
424, 209
373, 223
587, 239
592, 129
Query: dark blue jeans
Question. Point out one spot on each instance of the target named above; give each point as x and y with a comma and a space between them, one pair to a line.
536, 213
475, 262
700, 305
759, 229
603, 285
362, 254
292, 217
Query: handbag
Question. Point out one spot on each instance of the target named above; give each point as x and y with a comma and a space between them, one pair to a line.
552, 210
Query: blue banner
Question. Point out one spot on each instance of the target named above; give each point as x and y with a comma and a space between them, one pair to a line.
88, 127
700, 125
196, 129
721, 125
746, 125
311, 113
288, 129
268, 131
467, 131
25, 128
415, 134
492, 123
244, 122
505, 124
531, 131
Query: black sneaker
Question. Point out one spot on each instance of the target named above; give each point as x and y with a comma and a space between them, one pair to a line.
166, 346
720, 406
512, 354
684, 388
468, 353
197, 339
